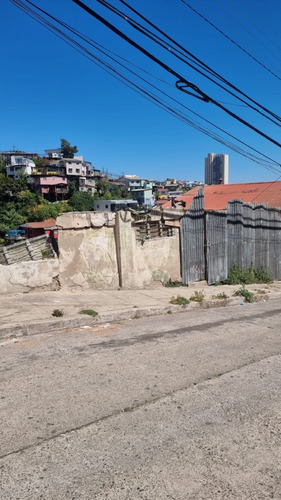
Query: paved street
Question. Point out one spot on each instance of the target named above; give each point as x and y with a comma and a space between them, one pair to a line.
176, 407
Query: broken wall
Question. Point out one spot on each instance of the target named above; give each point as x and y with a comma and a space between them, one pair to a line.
101, 250
29, 276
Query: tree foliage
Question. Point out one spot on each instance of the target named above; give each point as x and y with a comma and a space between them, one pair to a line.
67, 150
82, 201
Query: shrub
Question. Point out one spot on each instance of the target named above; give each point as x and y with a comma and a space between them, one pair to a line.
243, 292
198, 296
57, 313
261, 275
238, 276
179, 300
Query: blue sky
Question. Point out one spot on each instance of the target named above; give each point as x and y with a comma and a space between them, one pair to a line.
50, 91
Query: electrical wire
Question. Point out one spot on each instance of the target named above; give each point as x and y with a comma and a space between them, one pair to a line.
150, 96
182, 83
230, 39
184, 50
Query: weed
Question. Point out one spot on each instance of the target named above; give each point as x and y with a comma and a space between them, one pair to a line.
198, 296
243, 292
128, 408
262, 275
90, 312
169, 311
261, 292
174, 284
238, 276
137, 316
220, 296
179, 300
46, 254
57, 313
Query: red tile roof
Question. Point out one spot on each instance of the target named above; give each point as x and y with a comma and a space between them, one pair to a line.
43, 224
216, 197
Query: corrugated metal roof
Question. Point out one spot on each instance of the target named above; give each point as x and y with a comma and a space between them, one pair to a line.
216, 197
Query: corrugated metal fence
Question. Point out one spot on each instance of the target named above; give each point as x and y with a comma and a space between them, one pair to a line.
213, 241
192, 241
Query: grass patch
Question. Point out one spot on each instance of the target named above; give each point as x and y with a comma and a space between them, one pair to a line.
127, 409
238, 276
198, 296
220, 296
246, 294
58, 313
179, 301
169, 311
174, 284
90, 312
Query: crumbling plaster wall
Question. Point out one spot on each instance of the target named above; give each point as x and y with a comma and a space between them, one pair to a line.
99, 250
29, 276
157, 260
87, 251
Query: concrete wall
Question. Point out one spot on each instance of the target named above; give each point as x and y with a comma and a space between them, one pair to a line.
87, 250
157, 260
29, 276
100, 250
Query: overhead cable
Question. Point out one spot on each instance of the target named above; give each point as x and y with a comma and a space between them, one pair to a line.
182, 82
230, 39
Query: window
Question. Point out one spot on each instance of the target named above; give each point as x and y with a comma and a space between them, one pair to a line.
106, 206
77, 170
70, 170
98, 206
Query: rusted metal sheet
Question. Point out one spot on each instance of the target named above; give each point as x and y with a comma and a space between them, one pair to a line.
192, 241
216, 246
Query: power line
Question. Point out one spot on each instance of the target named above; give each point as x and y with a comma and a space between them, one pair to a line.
230, 39
140, 90
182, 83
184, 52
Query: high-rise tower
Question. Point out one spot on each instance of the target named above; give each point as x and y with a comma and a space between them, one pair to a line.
216, 169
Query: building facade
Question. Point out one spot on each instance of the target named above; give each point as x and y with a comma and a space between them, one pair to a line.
216, 169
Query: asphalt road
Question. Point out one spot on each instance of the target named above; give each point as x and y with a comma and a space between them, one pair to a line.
171, 407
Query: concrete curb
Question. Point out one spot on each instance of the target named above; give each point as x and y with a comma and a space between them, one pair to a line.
46, 326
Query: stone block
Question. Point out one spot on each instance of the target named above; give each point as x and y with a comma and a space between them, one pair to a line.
98, 219
74, 220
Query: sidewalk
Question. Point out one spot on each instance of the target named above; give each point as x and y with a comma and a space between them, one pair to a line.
31, 313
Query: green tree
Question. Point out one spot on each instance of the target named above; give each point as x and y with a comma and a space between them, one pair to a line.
10, 219
2, 165
40, 162
82, 201
102, 191
72, 188
67, 150
120, 193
